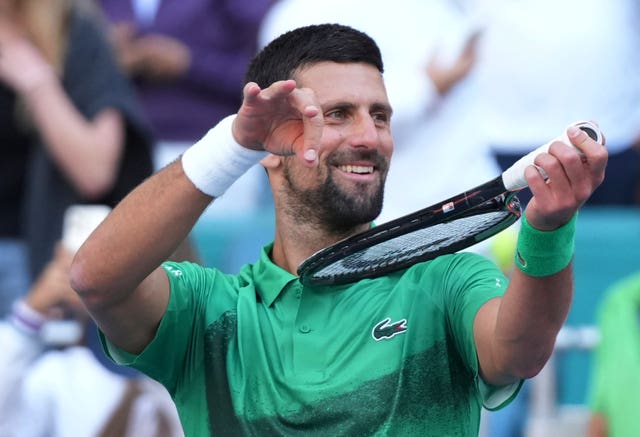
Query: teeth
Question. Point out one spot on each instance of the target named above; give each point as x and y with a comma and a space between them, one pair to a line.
358, 169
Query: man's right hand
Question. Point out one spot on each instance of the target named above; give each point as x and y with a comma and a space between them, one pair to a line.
281, 119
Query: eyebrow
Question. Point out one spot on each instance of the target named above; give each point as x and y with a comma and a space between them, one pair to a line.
382, 107
375, 107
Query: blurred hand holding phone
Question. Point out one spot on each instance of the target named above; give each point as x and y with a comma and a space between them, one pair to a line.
67, 328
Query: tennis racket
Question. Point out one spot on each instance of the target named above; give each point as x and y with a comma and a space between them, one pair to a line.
446, 227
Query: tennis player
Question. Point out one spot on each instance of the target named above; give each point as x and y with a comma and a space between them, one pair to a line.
416, 352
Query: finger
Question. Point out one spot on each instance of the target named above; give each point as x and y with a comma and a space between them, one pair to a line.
313, 122
304, 100
536, 180
277, 91
553, 202
250, 92
263, 111
555, 165
604, 138
595, 154
548, 179
570, 181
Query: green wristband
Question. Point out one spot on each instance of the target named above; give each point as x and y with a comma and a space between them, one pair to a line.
545, 253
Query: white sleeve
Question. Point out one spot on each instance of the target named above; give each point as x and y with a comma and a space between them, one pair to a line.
19, 351
152, 411
497, 397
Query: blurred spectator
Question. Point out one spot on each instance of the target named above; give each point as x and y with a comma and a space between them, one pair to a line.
14, 270
543, 64
71, 129
187, 60
615, 385
51, 384
429, 49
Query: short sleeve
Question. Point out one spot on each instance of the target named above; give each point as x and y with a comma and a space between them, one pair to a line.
468, 282
197, 294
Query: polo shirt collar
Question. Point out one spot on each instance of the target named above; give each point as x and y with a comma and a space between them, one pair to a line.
269, 278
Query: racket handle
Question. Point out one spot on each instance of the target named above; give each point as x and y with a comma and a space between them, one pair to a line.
513, 177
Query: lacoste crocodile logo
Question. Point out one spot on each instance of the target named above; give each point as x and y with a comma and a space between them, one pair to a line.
385, 329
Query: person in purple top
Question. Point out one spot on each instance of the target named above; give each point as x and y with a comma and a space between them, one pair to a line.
187, 59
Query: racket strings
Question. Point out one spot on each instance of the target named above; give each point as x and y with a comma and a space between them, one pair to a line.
426, 243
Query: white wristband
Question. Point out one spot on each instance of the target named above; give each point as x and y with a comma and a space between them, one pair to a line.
26, 318
215, 162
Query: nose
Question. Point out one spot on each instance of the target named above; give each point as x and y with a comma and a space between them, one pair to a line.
364, 133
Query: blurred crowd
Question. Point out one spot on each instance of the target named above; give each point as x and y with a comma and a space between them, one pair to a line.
95, 95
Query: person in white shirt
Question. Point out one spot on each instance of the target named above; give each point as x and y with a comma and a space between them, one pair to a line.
429, 50
527, 84
51, 384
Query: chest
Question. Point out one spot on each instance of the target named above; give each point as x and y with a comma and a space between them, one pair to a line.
328, 339
374, 357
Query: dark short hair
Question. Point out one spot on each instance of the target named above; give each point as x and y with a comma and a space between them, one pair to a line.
286, 54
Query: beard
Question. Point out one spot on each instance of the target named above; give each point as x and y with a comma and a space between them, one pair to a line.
332, 207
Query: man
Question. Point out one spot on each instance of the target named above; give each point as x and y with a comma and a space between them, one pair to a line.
258, 353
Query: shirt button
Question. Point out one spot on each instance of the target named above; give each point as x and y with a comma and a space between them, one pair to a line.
304, 329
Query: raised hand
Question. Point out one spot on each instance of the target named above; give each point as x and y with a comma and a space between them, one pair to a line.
22, 67
281, 119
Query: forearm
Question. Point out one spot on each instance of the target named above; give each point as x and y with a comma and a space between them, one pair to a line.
520, 328
87, 151
116, 271
515, 335
138, 235
529, 318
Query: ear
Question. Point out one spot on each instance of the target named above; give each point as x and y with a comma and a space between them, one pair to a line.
271, 161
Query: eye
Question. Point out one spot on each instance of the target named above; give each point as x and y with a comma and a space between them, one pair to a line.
337, 114
381, 117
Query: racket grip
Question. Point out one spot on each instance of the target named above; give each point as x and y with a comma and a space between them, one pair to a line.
513, 177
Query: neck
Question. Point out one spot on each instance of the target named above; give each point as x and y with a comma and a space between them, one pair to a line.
295, 242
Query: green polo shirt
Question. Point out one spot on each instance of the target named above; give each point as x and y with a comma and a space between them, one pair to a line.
259, 354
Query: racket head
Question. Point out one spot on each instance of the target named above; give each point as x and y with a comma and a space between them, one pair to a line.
403, 242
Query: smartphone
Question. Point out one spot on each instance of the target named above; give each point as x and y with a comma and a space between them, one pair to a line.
79, 222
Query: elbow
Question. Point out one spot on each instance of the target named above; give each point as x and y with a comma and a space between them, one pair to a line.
530, 371
531, 366
517, 365
83, 280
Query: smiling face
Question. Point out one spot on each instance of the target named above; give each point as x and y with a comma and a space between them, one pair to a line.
346, 188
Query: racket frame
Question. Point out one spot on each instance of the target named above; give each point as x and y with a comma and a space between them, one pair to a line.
489, 197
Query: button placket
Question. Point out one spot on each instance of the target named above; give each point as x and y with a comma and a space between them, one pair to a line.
304, 329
